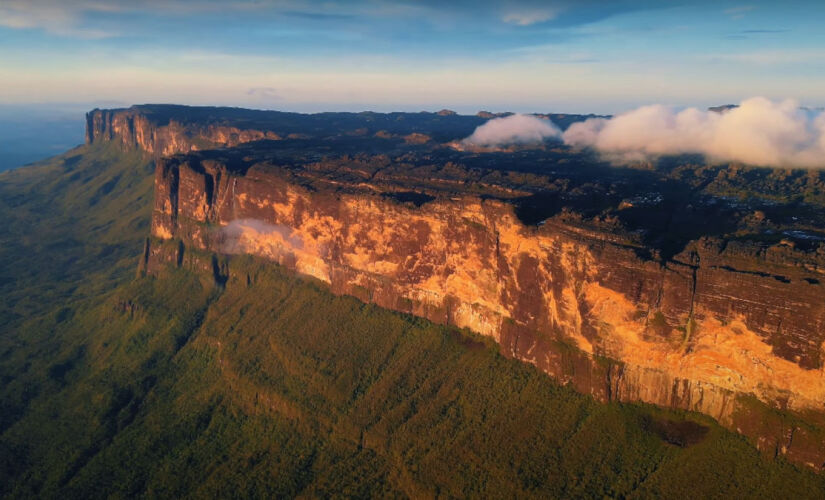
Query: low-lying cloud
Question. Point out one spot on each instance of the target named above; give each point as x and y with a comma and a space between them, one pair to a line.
757, 132
513, 129
241, 235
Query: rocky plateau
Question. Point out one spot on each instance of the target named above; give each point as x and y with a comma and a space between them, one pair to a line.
648, 283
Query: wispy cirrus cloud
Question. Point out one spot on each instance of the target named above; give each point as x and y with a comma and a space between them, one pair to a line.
739, 12
763, 31
519, 55
53, 17
108, 18
755, 33
527, 17
81, 18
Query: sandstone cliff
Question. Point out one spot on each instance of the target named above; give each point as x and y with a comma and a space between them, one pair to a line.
727, 328
135, 129
694, 332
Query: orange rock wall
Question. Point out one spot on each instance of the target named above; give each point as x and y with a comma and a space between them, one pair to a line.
697, 334
132, 130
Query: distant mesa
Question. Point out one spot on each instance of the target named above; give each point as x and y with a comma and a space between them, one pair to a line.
417, 138
488, 115
724, 108
446, 112
361, 131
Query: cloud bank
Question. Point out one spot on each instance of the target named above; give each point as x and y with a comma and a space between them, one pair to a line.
513, 129
758, 132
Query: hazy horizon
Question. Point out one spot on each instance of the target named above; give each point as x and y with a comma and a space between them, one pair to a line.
760, 131
590, 57
525, 56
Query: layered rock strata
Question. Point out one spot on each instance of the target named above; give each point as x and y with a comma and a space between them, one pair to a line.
704, 331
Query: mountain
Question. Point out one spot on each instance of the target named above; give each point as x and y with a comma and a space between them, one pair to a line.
214, 370
723, 108
715, 324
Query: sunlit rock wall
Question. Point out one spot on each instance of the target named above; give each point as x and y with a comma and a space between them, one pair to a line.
707, 331
133, 130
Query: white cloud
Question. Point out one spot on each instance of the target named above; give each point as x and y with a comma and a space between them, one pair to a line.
68, 17
758, 132
513, 129
53, 17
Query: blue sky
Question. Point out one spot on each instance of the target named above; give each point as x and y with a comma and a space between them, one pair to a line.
585, 56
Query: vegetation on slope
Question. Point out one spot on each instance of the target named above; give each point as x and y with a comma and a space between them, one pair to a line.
74, 221
272, 386
72, 231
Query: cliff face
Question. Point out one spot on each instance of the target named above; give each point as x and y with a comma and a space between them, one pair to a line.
726, 328
698, 332
133, 129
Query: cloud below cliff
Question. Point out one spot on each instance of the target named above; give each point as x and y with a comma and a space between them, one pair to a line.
513, 129
757, 132
241, 235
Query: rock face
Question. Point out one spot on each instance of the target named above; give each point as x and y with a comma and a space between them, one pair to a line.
728, 329
696, 332
134, 129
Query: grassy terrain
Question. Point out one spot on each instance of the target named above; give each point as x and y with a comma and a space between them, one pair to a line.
117, 385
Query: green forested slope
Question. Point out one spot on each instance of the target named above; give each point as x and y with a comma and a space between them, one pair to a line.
120, 385
74, 221
72, 231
